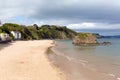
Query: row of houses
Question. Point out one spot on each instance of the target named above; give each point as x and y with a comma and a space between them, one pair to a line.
5, 37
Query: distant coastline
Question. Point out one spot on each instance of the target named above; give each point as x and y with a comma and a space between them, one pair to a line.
114, 36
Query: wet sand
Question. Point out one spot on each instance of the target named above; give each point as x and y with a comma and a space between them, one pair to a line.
26, 60
77, 70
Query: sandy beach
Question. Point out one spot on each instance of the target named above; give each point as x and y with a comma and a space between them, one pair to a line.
26, 60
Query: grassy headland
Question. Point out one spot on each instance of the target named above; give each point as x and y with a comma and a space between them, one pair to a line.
36, 32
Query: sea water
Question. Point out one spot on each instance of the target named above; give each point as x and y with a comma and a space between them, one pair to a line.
94, 62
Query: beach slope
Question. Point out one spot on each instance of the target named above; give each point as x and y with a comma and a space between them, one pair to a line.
26, 60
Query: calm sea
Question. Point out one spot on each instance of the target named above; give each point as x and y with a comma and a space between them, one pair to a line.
95, 62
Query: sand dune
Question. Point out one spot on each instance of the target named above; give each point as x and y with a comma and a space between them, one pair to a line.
26, 60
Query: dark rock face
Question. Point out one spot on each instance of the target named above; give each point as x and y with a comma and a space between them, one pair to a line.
84, 38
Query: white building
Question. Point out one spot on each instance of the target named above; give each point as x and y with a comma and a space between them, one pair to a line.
4, 36
16, 34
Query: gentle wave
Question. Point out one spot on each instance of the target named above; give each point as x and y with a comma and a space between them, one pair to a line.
82, 62
69, 58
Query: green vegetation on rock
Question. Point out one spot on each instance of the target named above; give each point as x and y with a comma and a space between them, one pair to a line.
85, 38
83, 35
36, 32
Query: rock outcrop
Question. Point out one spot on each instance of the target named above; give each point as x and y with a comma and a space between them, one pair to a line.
88, 39
85, 38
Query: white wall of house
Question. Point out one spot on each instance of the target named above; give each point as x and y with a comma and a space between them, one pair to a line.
4, 36
16, 34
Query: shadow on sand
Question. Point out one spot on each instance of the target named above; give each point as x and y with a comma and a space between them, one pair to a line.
3, 45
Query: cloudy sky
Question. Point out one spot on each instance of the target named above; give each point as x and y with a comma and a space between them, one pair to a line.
98, 16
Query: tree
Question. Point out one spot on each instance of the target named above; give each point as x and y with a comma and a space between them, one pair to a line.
0, 30
36, 26
5, 30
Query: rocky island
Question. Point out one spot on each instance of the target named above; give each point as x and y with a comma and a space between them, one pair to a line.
87, 39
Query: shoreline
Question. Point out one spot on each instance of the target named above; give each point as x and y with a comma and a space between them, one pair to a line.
75, 70
27, 60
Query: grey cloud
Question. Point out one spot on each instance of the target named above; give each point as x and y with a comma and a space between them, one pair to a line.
63, 12
71, 11
100, 11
